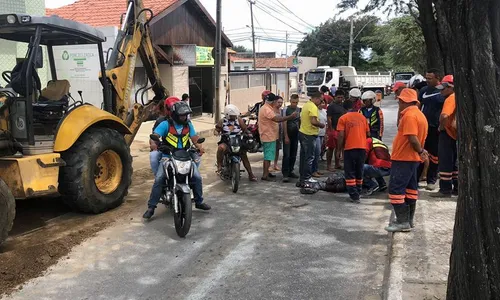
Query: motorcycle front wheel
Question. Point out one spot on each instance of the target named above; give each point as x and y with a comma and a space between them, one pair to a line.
182, 219
235, 176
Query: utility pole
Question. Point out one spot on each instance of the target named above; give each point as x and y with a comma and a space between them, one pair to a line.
286, 50
253, 35
218, 58
351, 41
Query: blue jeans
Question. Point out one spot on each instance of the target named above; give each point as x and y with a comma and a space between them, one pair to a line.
370, 172
155, 157
317, 153
154, 160
307, 147
160, 177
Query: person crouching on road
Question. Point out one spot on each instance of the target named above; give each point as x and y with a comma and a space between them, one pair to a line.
155, 155
308, 132
353, 131
177, 132
378, 165
373, 114
232, 123
448, 169
269, 132
407, 154
290, 139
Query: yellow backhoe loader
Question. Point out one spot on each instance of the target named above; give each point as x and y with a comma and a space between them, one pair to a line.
52, 144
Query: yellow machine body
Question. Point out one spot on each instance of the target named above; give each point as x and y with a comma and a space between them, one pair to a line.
31, 176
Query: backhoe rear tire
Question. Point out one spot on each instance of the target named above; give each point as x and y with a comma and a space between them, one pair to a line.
98, 171
7, 211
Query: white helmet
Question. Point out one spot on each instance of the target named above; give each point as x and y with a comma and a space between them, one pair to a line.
369, 95
355, 93
415, 80
231, 110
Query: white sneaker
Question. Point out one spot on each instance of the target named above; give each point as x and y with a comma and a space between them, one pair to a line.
430, 187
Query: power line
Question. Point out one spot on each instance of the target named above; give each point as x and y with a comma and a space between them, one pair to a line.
274, 7
263, 9
286, 8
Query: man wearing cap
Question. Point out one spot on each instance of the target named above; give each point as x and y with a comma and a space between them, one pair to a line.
431, 104
448, 169
308, 132
407, 154
269, 131
354, 102
373, 114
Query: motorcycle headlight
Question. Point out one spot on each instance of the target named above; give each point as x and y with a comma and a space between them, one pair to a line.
183, 167
235, 149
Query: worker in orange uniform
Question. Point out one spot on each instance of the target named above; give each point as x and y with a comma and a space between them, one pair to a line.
448, 169
407, 154
353, 130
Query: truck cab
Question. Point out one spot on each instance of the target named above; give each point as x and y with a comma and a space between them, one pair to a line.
321, 76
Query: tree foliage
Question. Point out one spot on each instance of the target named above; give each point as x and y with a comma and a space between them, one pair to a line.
330, 42
399, 45
241, 48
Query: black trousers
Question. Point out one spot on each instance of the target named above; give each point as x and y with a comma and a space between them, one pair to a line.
354, 161
403, 183
432, 146
448, 168
290, 154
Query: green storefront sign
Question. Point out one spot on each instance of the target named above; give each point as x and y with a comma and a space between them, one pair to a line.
204, 56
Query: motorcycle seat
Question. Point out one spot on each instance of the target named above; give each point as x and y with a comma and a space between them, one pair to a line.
181, 155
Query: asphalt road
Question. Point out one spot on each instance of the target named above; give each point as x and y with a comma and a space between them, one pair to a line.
268, 241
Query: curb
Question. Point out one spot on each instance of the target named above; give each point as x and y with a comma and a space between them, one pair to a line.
393, 276
205, 133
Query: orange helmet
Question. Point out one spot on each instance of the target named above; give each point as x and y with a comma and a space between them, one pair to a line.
169, 103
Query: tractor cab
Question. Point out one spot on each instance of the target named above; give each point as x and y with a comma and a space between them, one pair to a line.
32, 111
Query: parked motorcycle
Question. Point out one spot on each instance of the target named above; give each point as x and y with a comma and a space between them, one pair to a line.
253, 140
232, 160
179, 169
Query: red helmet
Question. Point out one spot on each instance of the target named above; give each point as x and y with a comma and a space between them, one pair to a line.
169, 103
265, 93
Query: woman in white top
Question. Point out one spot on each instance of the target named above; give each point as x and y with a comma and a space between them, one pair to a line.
320, 139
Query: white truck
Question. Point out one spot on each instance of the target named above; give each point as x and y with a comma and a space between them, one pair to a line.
346, 78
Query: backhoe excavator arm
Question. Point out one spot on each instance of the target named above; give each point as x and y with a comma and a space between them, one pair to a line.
133, 40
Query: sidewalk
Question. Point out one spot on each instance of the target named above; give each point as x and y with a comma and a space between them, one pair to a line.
419, 260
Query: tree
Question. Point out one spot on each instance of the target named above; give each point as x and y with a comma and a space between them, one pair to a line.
433, 25
398, 44
330, 42
475, 47
241, 48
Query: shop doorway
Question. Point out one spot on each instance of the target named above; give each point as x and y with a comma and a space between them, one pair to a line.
201, 90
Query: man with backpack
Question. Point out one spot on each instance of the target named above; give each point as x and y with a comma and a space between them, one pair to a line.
290, 139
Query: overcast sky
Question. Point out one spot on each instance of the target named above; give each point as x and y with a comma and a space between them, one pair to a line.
268, 13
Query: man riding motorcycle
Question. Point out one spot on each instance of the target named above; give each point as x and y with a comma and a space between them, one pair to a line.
232, 123
176, 132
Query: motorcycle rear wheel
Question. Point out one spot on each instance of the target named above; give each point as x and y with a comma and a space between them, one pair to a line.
235, 176
182, 220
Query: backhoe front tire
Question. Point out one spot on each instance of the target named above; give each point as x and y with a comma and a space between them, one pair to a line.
98, 171
7, 211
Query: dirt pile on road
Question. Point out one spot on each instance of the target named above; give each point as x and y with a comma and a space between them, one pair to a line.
24, 263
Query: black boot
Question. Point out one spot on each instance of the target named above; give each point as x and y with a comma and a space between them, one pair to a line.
402, 218
149, 213
412, 207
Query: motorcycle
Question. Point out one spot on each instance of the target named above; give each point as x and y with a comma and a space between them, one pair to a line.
253, 139
232, 160
176, 195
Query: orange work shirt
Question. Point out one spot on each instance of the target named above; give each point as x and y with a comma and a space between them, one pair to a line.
449, 109
268, 129
412, 122
355, 127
